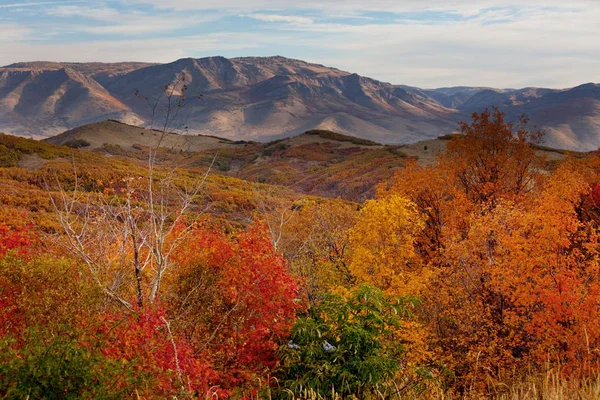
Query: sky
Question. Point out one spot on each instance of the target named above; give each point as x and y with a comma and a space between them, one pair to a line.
424, 43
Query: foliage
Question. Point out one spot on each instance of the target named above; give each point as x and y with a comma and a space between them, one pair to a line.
77, 143
12, 146
316, 241
143, 343
501, 251
340, 138
56, 367
346, 343
383, 245
238, 300
505, 253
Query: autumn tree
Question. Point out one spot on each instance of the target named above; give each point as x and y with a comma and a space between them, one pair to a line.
316, 241
383, 245
453, 262
494, 158
235, 301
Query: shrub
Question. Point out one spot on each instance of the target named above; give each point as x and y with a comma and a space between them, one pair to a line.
77, 143
55, 368
347, 343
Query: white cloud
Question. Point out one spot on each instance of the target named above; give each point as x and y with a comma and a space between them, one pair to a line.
465, 7
118, 22
154, 50
12, 33
490, 42
95, 13
280, 18
35, 4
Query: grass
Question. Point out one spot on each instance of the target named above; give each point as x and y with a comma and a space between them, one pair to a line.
551, 385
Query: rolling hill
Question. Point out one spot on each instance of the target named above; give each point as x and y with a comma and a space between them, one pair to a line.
267, 98
316, 162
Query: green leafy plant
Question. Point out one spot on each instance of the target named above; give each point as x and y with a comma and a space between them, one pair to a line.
56, 368
347, 344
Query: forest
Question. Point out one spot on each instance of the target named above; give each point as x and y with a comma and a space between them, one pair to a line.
141, 276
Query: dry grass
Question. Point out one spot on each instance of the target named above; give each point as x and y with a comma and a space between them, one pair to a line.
549, 386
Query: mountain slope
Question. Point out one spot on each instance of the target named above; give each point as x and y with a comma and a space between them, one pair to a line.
570, 117
46, 102
100, 72
265, 98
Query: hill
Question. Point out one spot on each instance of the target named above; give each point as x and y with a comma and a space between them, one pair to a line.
129, 137
317, 162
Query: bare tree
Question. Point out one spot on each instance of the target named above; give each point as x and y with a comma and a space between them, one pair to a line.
275, 215
127, 238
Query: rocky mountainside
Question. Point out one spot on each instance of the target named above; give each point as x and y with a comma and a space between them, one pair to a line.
264, 98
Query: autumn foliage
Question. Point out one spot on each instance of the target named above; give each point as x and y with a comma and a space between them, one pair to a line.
508, 255
459, 277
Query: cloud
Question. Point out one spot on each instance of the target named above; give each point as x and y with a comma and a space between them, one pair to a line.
466, 7
94, 13
506, 43
155, 50
11, 33
118, 22
35, 4
280, 18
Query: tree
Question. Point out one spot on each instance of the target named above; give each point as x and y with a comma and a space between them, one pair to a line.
461, 244
235, 301
383, 245
494, 158
127, 236
316, 241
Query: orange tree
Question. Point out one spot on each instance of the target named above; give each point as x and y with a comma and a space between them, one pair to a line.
506, 257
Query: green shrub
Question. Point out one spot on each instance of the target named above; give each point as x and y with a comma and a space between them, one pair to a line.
346, 344
56, 367
222, 165
8, 157
77, 143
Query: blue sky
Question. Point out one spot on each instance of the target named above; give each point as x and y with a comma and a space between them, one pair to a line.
426, 43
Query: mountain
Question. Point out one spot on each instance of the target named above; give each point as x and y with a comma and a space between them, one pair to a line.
265, 98
44, 102
101, 72
570, 117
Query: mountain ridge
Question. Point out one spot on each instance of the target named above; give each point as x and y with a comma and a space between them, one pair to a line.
265, 98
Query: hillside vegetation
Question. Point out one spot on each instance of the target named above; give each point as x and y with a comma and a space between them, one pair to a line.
311, 267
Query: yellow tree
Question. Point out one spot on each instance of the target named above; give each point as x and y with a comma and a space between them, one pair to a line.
383, 255
316, 240
383, 245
